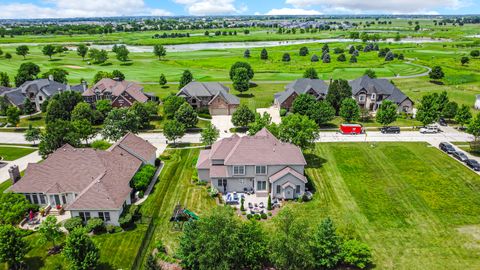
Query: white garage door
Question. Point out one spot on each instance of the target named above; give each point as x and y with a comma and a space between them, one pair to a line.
219, 111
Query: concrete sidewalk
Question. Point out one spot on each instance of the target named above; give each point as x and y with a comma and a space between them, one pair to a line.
21, 163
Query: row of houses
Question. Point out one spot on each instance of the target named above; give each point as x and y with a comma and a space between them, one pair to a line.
369, 94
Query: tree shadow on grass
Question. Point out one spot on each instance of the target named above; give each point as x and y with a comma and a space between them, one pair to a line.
126, 64
436, 82
55, 60
314, 161
105, 266
105, 64
34, 262
244, 95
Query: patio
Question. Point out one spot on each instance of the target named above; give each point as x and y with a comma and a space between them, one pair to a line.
38, 218
253, 204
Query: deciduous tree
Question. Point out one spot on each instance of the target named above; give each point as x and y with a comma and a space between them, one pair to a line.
82, 50
28, 107
120, 121
159, 51
463, 115
171, 104
370, 73
242, 116
349, 110
80, 250
50, 231
49, 50
26, 72
428, 109
186, 115
186, 78
4, 79
58, 74
173, 130
244, 65
13, 247
299, 130
209, 134
163, 80
387, 113
241, 81
436, 73
13, 115
32, 134
22, 50
326, 245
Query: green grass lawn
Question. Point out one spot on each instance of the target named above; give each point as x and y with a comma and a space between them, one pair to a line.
411, 203
13, 153
34, 120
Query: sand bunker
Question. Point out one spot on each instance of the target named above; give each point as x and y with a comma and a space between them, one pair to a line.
74, 67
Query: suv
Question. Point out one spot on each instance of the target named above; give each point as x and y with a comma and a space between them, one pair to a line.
442, 122
429, 129
446, 147
472, 163
394, 130
460, 156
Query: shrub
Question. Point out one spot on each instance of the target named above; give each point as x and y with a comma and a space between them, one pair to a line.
257, 216
95, 225
264, 216
165, 156
244, 213
142, 178
269, 203
157, 162
100, 145
110, 228
356, 253
160, 247
126, 221
213, 192
249, 216
72, 223
283, 112
141, 194
269, 214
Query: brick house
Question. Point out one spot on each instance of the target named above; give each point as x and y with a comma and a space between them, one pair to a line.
211, 95
317, 88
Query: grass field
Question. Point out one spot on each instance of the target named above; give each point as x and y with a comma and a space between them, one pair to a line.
13, 153
410, 202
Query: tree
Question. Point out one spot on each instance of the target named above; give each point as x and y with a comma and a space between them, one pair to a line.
310, 73
186, 78
122, 53
475, 53
61, 105
118, 75
289, 249
163, 80
142, 113
8, 56
58, 75
240, 80
186, 115
244, 65
104, 106
13, 207
246, 54
13, 115
171, 104
173, 130
264, 54
4, 105
28, 107
242, 116
4, 79
450, 110
303, 104
436, 73
49, 50
81, 251
353, 59
322, 112
474, 127
22, 50
151, 107
463, 115
261, 121
341, 58
159, 51
82, 50
50, 230
338, 90
209, 134
428, 109
303, 51
299, 130
325, 48
32, 134
314, 58
326, 245
355, 253
370, 73
98, 56
151, 263
253, 246
387, 113
84, 129
286, 57
57, 133
118, 122
349, 110
13, 247
101, 75
326, 58
26, 72
464, 60
389, 56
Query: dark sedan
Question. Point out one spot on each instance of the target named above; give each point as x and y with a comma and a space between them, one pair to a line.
446, 147
394, 130
460, 156
472, 163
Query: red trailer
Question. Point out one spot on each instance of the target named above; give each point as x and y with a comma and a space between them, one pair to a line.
352, 129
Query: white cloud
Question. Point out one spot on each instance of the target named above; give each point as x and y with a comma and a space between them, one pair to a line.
83, 8
395, 7
211, 7
293, 11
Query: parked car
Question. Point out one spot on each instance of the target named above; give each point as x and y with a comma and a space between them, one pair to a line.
460, 156
352, 129
429, 129
472, 163
446, 147
393, 129
442, 122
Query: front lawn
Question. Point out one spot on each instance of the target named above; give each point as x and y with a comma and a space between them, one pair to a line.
13, 153
410, 202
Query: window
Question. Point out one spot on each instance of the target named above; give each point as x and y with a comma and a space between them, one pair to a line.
85, 216
238, 170
373, 96
405, 108
35, 198
297, 189
40, 98
261, 169
64, 199
279, 189
261, 185
222, 182
43, 199
105, 216
29, 198
361, 98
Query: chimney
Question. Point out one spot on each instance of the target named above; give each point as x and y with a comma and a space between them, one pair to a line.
14, 173
84, 84
50, 77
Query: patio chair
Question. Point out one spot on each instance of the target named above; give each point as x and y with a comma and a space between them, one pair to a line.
250, 205
261, 205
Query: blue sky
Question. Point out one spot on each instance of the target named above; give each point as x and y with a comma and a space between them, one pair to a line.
102, 8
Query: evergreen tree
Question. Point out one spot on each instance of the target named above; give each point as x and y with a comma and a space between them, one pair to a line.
314, 58
4, 79
303, 51
310, 73
338, 90
326, 58
353, 59
28, 107
326, 245
370, 73
286, 57
341, 58
246, 54
163, 80
186, 78
264, 54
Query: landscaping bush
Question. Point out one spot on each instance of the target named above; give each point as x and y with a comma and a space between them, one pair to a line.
249, 216
244, 213
257, 217
269, 203
141, 194
157, 162
72, 223
143, 177
95, 225
165, 156
264, 216
160, 247
283, 112
213, 192
100, 145
110, 228
126, 221
269, 214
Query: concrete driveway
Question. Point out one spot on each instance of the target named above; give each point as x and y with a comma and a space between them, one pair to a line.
21, 163
274, 113
223, 123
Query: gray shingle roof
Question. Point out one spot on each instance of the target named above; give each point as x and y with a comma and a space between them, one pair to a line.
301, 86
15, 96
378, 86
208, 89
231, 99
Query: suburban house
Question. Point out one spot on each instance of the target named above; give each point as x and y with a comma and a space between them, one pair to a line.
37, 91
212, 95
86, 182
369, 93
317, 88
259, 163
120, 93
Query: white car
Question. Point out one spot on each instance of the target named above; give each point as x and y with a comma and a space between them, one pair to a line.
429, 129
